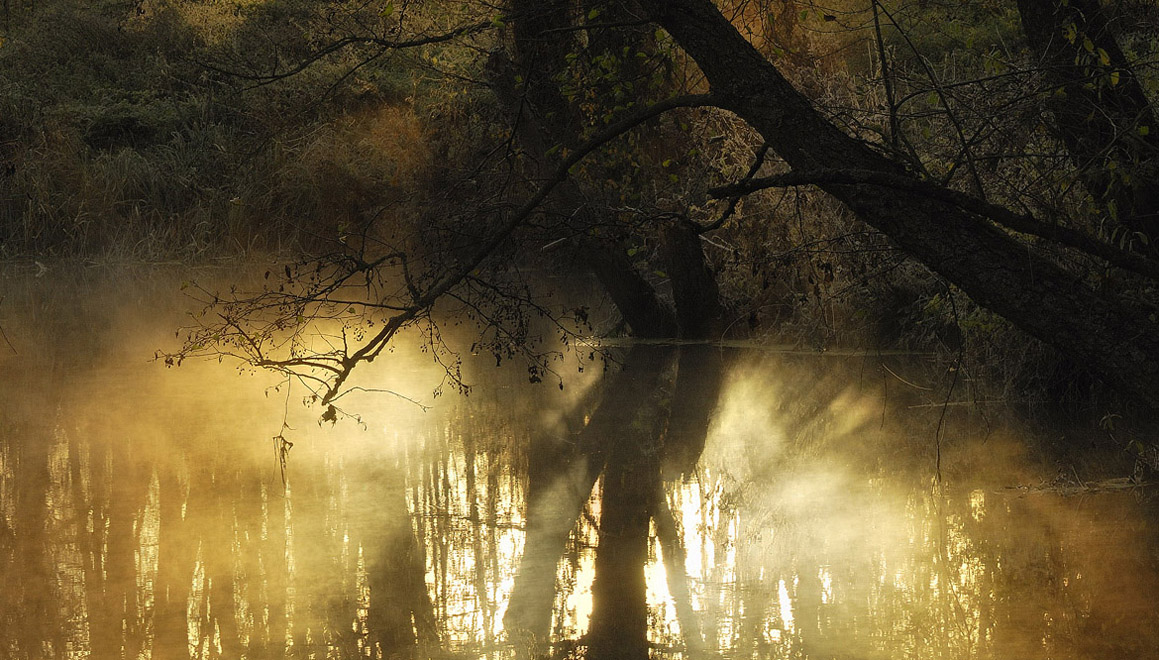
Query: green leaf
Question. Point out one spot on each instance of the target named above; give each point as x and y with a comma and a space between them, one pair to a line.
1143, 130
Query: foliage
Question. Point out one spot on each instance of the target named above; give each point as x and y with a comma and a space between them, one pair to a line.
343, 132
123, 137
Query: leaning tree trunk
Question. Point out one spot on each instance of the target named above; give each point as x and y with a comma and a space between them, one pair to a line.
1099, 109
1007, 276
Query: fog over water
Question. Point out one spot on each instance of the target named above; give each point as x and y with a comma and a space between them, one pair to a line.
144, 512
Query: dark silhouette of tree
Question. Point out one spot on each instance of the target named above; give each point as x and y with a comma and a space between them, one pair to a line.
1006, 260
559, 71
574, 82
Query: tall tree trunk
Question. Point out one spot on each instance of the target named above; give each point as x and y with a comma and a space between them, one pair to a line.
675, 571
1008, 277
619, 624
700, 370
629, 423
401, 612
28, 581
117, 622
219, 560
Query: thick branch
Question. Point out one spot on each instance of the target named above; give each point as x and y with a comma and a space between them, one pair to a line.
1005, 275
1019, 222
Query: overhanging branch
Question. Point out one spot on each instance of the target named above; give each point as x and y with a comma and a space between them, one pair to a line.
426, 300
1019, 222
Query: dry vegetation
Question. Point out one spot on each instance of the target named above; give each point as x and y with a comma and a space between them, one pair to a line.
126, 136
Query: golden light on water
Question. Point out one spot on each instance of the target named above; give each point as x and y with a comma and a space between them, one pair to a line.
143, 511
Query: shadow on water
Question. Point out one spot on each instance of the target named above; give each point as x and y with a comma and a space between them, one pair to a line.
691, 502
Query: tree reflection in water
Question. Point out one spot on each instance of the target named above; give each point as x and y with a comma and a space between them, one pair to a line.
142, 515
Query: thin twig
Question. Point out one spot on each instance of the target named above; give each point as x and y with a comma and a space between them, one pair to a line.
940, 431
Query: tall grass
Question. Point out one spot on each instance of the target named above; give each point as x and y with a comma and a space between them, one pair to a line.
117, 142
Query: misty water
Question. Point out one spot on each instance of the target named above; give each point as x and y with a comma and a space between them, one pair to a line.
145, 511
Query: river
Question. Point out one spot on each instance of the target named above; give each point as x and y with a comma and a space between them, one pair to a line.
147, 512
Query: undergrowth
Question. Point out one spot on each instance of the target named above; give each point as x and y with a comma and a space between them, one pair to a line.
124, 137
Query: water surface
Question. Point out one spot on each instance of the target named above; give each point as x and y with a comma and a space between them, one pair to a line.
144, 511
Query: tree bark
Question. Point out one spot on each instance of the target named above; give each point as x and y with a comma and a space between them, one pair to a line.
1011, 278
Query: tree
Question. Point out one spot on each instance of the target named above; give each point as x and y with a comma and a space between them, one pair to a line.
1005, 260
574, 82
967, 248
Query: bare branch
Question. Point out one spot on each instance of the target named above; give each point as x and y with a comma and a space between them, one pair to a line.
423, 302
735, 199
383, 45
